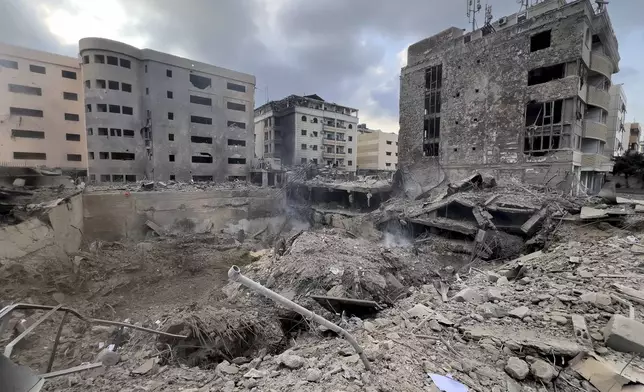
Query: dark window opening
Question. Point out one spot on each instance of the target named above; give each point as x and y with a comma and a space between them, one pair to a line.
201, 139
303, 132
172, 177
90, 154
546, 74
200, 82
101, 107
128, 110
201, 159
117, 177
238, 161
235, 142
432, 129
236, 87
467, 38
122, 156
72, 137
113, 85
74, 157
350, 138
90, 132
30, 155
115, 109
8, 64
237, 124
115, 132
171, 137
28, 90
25, 112
200, 100
169, 94
124, 63
111, 60
104, 155
70, 96
302, 161
105, 178
240, 107
434, 77
388, 153
170, 116
540, 41
389, 142
543, 113
126, 87
201, 178
102, 132
37, 69
315, 121
171, 157
433, 103
430, 149
72, 117
130, 177
99, 58
27, 134
128, 133
168, 73
69, 75
303, 146
88, 84
100, 83
303, 118
315, 147
201, 120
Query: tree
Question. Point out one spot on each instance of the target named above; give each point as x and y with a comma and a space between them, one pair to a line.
630, 164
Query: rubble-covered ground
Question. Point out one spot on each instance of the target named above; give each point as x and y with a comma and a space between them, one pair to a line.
497, 325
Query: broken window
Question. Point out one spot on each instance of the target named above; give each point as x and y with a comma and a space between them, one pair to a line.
432, 129
115, 132
303, 118
8, 64
201, 139
99, 58
100, 83
124, 63
90, 132
104, 155
123, 156
238, 161
235, 142
128, 133
237, 124
433, 103
111, 60
28, 90
303, 161
434, 77
303, 132
25, 112
172, 177
540, 41
90, 154
315, 147
236, 106
303, 146
117, 177
546, 74
200, 82
27, 134
102, 132
545, 130
236, 87
201, 120
115, 109
30, 155
126, 87
543, 113
201, 159
112, 85
72, 137
105, 178
101, 107
128, 110
74, 157
72, 117
88, 84
388, 153
201, 178
350, 138
37, 69
389, 142
130, 178
70, 96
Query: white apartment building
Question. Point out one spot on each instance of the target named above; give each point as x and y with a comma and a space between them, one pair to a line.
377, 150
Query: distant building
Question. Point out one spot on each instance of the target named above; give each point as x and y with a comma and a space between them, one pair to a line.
632, 137
41, 105
377, 150
162, 117
524, 98
615, 121
304, 130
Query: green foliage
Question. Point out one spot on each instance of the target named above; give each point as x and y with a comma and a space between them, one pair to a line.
629, 165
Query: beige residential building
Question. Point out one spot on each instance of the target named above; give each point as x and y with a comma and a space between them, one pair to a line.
41, 106
377, 150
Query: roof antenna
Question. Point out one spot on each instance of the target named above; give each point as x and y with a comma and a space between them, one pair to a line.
473, 7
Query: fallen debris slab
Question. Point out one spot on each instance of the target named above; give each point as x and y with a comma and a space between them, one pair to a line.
625, 335
601, 374
592, 213
156, 228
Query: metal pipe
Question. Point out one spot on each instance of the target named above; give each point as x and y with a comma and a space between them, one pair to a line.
56, 341
235, 275
9, 348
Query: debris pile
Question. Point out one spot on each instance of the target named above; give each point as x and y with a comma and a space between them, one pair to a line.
160, 186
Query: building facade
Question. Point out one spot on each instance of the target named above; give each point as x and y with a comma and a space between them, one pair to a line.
632, 137
377, 150
524, 98
615, 121
152, 115
305, 130
41, 104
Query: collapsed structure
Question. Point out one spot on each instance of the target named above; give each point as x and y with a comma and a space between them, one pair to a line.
525, 98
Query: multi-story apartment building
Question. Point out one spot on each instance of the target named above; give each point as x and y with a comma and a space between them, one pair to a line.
615, 122
41, 108
307, 130
377, 150
158, 116
632, 137
525, 98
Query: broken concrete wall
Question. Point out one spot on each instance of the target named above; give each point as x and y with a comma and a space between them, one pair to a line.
57, 233
113, 216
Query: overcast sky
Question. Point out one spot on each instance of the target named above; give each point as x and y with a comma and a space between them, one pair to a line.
347, 51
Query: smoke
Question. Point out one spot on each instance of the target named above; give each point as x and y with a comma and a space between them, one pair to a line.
392, 240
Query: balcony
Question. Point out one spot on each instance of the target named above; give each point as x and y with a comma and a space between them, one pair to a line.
601, 64
334, 142
594, 161
597, 97
595, 130
327, 154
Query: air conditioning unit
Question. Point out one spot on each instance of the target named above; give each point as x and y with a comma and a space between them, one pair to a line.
503, 20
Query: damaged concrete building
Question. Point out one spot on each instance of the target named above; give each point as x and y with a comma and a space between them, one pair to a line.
162, 117
301, 130
524, 98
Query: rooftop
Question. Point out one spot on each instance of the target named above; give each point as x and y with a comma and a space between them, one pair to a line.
312, 101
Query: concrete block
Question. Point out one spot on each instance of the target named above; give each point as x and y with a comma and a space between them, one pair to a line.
625, 335
19, 182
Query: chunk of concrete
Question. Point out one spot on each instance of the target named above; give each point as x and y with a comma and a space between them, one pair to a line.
542, 370
419, 311
490, 310
494, 294
581, 330
468, 294
226, 367
592, 213
108, 357
19, 182
520, 312
624, 334
291, 361
600, 299
517, 368
533, 224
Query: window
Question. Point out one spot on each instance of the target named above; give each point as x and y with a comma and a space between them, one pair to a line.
303, 118
168, 73
201, 139
200, 82
104, 155
315, 147
236, 106
350, 126
111, 60
350, 138
99, 58
168, 94
69, 75
236, 87
303, 146
546, 113
350, 150
126, 87
201, 120
88, 108
201, 178
303, 132
388, 164
266, 148
8, 64
147, 91
239, 143
389, 142
546, 74
90, 154
172, 177
170, 116
540, 41
303, 161
145, 67
101, 107
115, 132
28, 90
124, 63
171, 157
105, 178
115, 109
467, 38
388, 153
544, 129
434, 77
171, 137
41, 156
236, 161
74, 157
100, 83
128, 133
88, 84
72, 137
27, 134
237, 124
128, 110
122, 156
349, 163
433, 103
113, 85
70, 96
102, 132
200, 100
315, 133
201, 159
315, 121
25, 112
90, 131
85, 59
38, 69
117, 177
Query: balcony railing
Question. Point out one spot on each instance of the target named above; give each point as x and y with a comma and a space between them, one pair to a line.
597, 97
595, 130
601, 63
